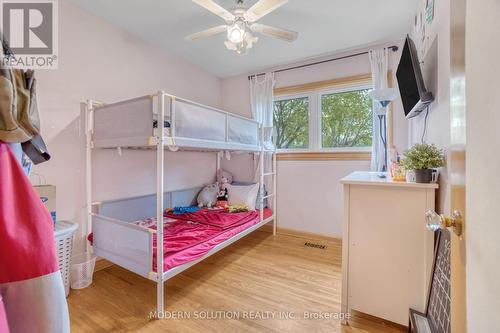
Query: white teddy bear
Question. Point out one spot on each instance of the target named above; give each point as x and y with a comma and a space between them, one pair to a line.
224, 178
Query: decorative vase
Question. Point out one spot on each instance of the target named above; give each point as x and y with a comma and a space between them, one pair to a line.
424, 176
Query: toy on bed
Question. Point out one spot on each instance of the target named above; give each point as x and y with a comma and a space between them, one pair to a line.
182, 209
208, 195
238, 208
222, 198
223, 178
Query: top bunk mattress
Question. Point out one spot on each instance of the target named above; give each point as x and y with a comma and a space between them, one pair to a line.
133, 123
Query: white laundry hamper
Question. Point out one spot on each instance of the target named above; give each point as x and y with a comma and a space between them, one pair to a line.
63, 234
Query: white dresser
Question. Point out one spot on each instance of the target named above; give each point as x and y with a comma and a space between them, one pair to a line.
387, 252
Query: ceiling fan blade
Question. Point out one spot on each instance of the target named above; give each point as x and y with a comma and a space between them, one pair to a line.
261, 8
210, 5
207, 33
283, 34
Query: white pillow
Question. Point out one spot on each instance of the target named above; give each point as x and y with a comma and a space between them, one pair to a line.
243, 195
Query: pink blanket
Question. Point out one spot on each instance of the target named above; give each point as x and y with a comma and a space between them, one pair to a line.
179, 235
185, 241
217, 218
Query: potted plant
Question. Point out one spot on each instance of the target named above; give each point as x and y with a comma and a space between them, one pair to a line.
422, 158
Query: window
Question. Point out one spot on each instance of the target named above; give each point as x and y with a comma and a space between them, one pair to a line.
291, 120
346, 119
325, 120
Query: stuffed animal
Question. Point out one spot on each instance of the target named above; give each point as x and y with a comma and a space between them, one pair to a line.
224, 178
208, 195
238, 208
222, 198
223, 195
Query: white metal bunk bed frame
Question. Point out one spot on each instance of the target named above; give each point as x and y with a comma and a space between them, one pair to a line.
160, 142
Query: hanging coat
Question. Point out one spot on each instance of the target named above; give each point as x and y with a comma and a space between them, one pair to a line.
32, 297
19, 118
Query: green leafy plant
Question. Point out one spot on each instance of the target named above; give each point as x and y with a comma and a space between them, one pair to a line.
423, 156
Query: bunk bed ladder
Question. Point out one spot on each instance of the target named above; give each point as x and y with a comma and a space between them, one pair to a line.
263, 174
262, 157
275, 198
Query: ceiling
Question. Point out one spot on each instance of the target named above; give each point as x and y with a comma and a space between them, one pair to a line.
324, 26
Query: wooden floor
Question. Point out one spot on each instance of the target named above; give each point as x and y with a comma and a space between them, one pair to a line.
257, 277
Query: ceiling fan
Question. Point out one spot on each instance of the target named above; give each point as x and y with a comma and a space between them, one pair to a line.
241, 23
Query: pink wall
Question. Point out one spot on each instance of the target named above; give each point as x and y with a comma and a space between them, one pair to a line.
309, 192
102, 62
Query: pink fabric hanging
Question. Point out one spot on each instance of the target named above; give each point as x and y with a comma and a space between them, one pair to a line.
3, 318
30, 282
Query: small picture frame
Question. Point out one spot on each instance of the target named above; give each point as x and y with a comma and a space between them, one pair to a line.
429, 11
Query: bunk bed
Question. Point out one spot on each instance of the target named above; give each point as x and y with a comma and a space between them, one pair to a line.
118, 234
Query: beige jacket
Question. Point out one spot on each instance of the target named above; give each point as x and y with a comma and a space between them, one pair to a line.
19, 120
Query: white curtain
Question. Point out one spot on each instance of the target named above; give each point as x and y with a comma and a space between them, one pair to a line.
379, 65
262, 101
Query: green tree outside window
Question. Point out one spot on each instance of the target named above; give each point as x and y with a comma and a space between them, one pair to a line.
347, 119
291, 120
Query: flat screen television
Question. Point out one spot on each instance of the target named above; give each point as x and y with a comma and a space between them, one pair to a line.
414, 96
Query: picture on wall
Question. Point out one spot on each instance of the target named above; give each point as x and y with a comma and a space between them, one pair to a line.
429, 11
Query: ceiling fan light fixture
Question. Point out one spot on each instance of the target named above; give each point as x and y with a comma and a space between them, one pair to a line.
241, 23
236, 32
242, 47
230, 46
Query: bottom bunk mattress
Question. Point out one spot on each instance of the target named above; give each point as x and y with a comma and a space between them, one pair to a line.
188, 237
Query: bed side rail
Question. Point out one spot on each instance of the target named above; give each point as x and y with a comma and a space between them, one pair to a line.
140, 207
193, 120
122, 124
125, 244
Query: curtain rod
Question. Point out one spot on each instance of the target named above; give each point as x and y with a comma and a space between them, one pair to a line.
394, 48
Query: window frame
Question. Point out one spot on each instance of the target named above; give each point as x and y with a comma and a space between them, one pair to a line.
315, 115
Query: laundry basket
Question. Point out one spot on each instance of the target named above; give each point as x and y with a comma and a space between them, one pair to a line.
82, 270
63, 234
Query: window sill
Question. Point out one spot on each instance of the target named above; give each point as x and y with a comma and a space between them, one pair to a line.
324, 156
